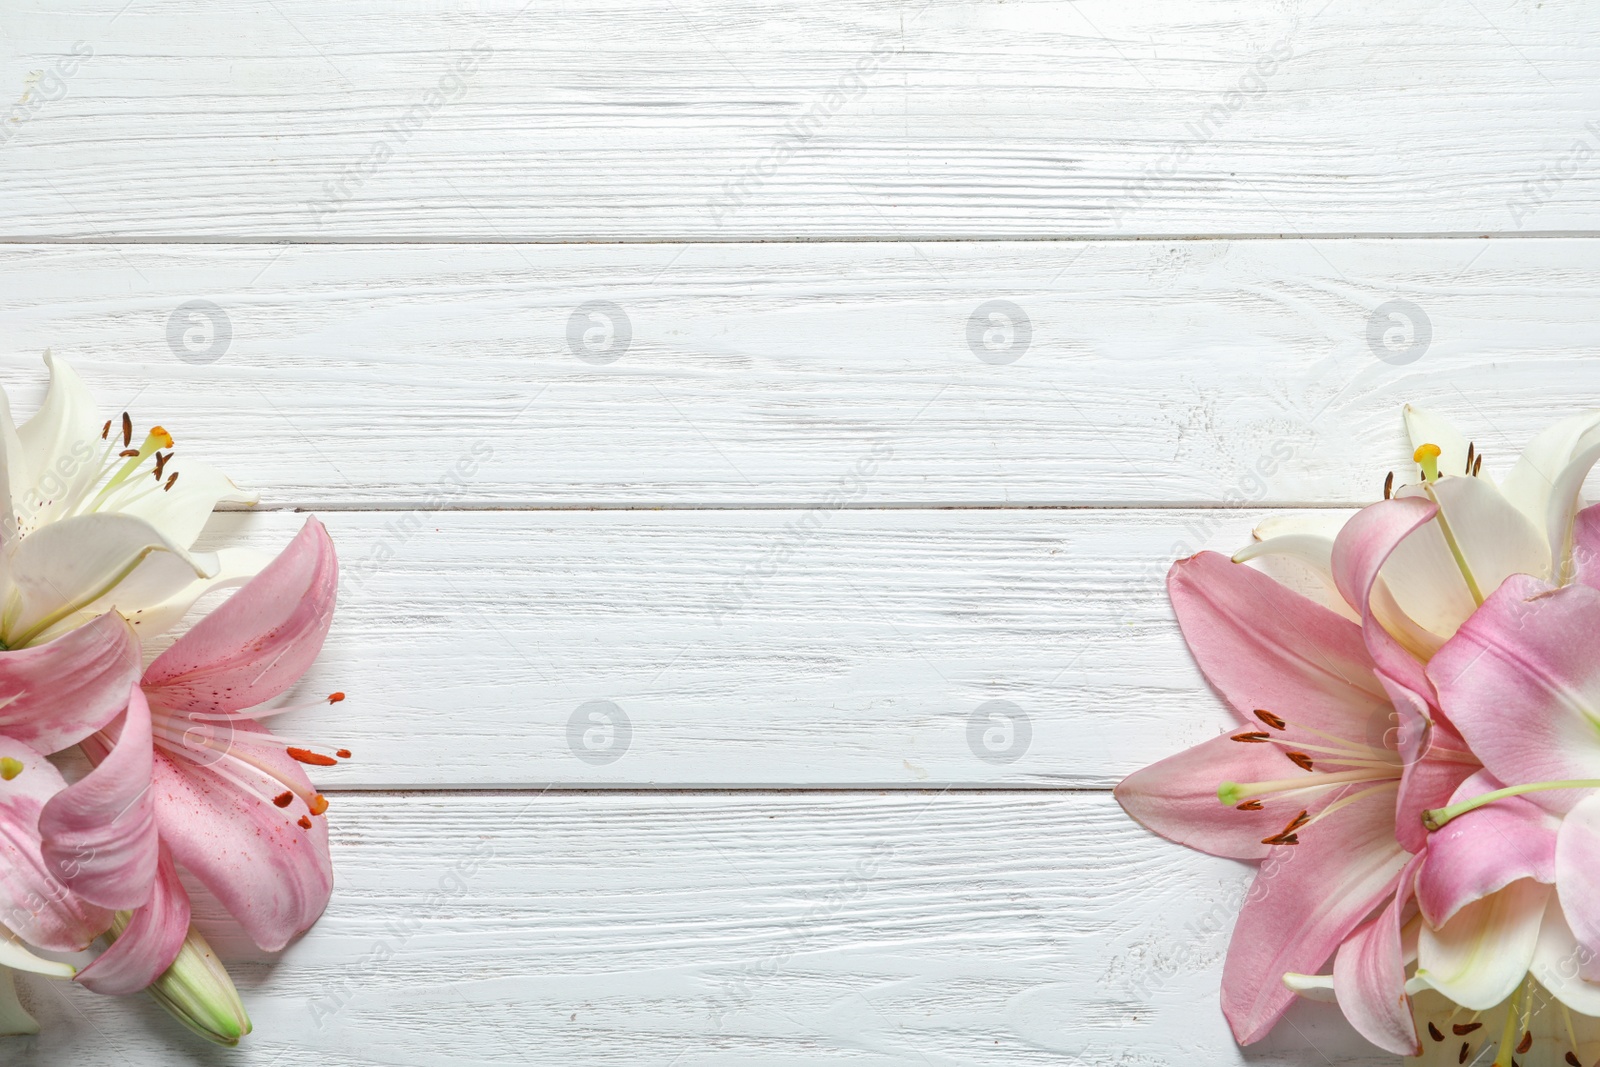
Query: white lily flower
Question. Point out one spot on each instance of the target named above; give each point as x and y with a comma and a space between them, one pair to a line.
1483, 531
92, 518
1502, 974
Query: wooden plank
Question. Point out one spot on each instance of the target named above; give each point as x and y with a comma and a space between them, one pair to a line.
627, 120
1187, 373
755, 648
716, 930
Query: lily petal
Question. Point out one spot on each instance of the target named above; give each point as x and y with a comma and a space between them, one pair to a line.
56, 694
33, 902
271, 875
1546, 481
1264, 646
61, 447
1427, 427
13, 475
85, 563
1436, 764
1480, 956
1299, 911
1577, 878
235, 566
14, 955
149, 943
1556, 963
1494, 539
1484, 851
1521, 682
1531, 482
1177, 797
1369, 541
100, 833
1369, 974
1313, 550
261, 640
181, 512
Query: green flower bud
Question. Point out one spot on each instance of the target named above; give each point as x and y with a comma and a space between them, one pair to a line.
197, 991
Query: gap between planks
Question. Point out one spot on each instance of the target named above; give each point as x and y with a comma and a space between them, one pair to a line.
385, 239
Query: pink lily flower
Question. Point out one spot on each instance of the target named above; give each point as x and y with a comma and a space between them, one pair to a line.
35, 907
1506, 933
1521, 680
189, 777
1328, 750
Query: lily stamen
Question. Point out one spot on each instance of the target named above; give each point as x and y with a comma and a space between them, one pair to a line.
1231, 793
235, 754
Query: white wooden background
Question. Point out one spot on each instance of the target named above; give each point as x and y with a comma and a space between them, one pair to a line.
787, 521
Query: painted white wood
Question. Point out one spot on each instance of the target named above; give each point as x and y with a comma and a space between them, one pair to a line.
629, 120
708, 931
846, 569
1155, 373
755, 648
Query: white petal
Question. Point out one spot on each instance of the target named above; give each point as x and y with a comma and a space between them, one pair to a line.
1425, 580
1480, 956
235, 566
1311, 986
15, 955
1547, 455
1426, 428
14, 1018
61, 448
1324, 523
1563, 506
88, 564
1313, 550
180, 512
1555, 963
1495, 539
13, 472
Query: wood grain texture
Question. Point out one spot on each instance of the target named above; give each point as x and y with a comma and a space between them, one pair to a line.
624, 120
1186, 373
709, 931
746, 650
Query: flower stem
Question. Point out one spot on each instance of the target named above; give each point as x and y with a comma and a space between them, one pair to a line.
1434, 818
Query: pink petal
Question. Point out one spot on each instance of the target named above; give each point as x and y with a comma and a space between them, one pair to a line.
271, 875
1359, 553
56, 694
1303, 905
1433, 769
1521, 681
1369, 975
152, 940
1265, 646
260, 641
1177, 797
33, 902
1577, 878
1484, 850
100, 833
